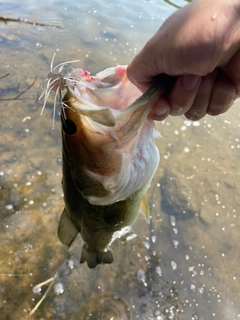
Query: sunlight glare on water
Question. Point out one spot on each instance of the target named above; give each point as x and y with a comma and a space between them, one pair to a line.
184, 265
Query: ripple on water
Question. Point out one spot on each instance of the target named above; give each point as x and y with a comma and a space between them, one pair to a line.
106, 307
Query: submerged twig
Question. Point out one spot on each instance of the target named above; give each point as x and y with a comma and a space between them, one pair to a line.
43, 283
45, 294
7, 74
21, 93
6, 20
13, 274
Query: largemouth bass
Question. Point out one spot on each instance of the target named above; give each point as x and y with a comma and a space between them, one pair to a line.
109, 158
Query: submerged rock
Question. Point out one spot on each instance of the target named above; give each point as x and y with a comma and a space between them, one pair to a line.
178, 198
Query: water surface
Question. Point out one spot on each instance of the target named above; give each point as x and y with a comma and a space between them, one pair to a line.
184, 264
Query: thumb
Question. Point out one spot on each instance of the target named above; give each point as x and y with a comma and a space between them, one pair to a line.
141, 70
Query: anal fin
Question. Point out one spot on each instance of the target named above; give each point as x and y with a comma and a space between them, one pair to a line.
144, 209
67, 232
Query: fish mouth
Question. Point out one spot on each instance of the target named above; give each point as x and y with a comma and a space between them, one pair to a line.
108, 88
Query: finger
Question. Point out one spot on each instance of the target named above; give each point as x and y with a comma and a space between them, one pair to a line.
232, 70
222, 95
183, 94
160, 110
139, 71
199, 108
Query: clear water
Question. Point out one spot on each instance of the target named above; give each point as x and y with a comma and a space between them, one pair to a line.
181, 266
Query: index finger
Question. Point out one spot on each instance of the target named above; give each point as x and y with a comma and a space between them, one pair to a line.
142, 68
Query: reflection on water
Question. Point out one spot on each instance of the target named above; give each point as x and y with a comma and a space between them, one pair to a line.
184, 264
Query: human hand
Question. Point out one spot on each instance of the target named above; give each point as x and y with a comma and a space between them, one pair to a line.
199, 43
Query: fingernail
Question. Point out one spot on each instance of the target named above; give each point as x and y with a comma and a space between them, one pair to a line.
190, 82
176, 110
160, 111
194, 115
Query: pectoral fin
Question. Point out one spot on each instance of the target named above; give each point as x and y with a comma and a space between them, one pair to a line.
144, 209
67, 232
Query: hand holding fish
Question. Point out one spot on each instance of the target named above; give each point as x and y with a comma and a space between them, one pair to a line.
200, 44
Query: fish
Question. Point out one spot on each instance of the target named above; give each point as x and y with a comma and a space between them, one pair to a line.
109, 158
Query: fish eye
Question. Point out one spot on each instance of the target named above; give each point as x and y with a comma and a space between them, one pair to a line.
69, 127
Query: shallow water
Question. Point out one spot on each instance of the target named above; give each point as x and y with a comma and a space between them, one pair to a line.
184, 264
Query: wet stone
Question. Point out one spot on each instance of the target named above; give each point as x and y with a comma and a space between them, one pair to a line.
178, 198
58, 288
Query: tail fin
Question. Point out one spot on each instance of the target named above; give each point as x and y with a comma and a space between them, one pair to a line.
94, 258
